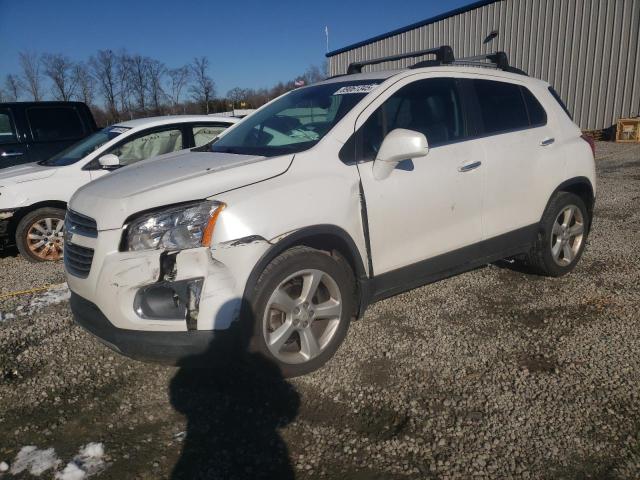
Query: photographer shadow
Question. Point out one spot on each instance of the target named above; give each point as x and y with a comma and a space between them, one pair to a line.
234, 408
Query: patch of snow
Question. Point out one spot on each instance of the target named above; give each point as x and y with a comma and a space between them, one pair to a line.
34, 460
56, 294
87, 462
71, 472
4, 466
6, 316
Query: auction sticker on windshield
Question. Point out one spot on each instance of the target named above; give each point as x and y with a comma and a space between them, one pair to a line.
349, 89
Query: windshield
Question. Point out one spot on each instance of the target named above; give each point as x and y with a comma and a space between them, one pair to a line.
84, 147
296, 121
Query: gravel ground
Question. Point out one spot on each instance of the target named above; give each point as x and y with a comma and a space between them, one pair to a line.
490, 374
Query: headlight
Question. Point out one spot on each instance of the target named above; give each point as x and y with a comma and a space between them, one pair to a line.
176, 228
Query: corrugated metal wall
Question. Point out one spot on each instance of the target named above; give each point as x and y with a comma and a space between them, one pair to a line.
588, 50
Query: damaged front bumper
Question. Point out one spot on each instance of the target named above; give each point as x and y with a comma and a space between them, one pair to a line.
151, 299
190, 348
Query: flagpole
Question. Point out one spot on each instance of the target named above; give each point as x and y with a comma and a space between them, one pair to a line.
326, 33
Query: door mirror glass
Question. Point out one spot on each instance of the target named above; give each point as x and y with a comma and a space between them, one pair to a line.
109, 161
400, 144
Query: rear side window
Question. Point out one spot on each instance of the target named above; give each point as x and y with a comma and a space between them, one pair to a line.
7, 130
555, 95
537, 115
203, 134
54, 123
502, 106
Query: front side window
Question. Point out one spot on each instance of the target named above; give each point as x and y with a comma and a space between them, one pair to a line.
7, 130
296, 121
54, 123
431, 107
203, 134
84, 147
148, 145
502, 106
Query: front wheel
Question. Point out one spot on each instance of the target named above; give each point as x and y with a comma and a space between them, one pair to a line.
563, 236
302, 307
40, 235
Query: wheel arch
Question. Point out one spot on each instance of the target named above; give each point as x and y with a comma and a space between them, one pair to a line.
580, 186
35, 206
329, 238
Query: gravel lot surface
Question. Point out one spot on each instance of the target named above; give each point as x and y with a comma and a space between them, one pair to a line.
491, 374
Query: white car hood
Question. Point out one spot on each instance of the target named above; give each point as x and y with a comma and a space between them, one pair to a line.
24, 173
170, 179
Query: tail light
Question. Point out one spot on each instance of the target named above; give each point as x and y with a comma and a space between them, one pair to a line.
591, 143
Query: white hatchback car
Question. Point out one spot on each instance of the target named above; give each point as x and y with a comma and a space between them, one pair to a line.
33, 197
326, 199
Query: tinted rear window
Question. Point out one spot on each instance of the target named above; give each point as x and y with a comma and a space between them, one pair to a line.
502, 106
54, 123
537, 115
559, 100
7, 132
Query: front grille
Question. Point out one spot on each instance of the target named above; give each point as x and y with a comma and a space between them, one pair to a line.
78, 223
77, 260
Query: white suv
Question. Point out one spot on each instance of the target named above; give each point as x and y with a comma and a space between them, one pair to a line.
326, 199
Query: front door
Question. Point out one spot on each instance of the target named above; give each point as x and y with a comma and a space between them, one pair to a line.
428, 206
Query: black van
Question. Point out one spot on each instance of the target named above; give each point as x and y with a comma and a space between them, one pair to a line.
35, 131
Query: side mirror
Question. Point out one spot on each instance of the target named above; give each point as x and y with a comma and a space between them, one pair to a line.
398, 145
109, 161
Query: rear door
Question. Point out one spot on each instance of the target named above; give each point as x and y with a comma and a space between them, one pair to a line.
13, 151
53, 128
514, 134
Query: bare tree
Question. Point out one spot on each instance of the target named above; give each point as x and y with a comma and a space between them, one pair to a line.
156, 70
179, 78
12, 88
30, 63
59, 69
85, 83
203, 88
138, 74
124, 82
237, 96
103, 67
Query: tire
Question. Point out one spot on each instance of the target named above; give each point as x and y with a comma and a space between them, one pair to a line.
279, 304
47, 224
559, 245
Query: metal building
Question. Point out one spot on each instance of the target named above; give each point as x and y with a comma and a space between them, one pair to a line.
588, 50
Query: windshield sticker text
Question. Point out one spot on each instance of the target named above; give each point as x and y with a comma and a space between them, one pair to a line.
350, 89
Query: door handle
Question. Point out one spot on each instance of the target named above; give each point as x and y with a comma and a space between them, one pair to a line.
11, 154
467, 167
547, 141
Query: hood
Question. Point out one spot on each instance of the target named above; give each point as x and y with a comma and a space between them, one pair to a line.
169, 179
25, 173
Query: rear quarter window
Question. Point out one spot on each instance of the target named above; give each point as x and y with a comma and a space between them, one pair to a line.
555, 95
537, 115
7, 131
54, 123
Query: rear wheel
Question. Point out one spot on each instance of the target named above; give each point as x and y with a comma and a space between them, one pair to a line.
302, 307
40, 235
563, 236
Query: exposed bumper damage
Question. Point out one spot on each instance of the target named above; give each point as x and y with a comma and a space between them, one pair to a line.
199, 289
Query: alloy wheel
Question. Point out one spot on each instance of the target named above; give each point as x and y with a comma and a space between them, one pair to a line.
302, 316
567, 235
45, 238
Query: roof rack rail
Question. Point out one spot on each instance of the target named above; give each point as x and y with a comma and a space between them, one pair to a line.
444, 55
498, 60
